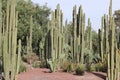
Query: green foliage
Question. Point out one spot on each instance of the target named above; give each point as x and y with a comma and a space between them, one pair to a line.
80, 69
90, 67
24, 58
68, 66
117, 18
40, 19
36, 64
71, 67
29, 58
53, 65
95, 41
101, 67
22, 67
43, 64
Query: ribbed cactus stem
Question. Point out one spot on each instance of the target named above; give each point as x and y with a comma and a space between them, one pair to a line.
31, 25
101, 38
18, 56
74, 31
112, 50
82, 42
51, 34
0, 27
89, 35
110, 13
10, 42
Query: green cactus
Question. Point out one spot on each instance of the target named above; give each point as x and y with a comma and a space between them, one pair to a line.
1, 27
82, 40
74, 31
31, 25
113, 61
10, 59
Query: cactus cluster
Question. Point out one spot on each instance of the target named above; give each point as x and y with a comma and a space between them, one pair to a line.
80, 39
61, 44
54, 38
108, 46
8, 41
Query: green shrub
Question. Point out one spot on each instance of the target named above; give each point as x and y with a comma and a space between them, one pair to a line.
24, 58
64, 66
43, 64
68, 67
36, 64
101, 67
30, 58
71, 67
22, 68
90, 67
53, 65
80, 69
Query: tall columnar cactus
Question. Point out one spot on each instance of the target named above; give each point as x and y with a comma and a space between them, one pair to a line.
52, 34
29, 39
1, 27
89, 36
31, 25
82, 40
27, 47
74, 31
11, 60
113, 56
78, 35
18, 60
54, 38
101, 38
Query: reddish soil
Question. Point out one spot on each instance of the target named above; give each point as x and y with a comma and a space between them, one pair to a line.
43, 74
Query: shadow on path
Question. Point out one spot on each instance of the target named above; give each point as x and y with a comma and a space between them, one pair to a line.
101, 75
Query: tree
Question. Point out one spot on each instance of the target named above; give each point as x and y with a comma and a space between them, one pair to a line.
40, 18
117, 22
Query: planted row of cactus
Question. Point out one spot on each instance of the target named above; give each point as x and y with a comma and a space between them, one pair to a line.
54, 37
58, 37
80, 42
59, 44
8, 35
108, 51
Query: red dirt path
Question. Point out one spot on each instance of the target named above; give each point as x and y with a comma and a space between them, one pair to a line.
43, 74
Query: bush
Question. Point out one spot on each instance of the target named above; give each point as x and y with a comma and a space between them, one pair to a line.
101, 67
52, 65
30, 58
36, 64
43, 64
24, 58
22, 68
64, 66
90, 67
68, 67
80, 69
71, 67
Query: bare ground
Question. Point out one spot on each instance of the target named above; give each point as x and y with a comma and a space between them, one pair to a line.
44, 74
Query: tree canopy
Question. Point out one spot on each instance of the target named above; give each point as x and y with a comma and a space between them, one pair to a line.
40, 16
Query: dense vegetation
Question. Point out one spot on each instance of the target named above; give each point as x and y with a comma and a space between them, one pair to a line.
28, 35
